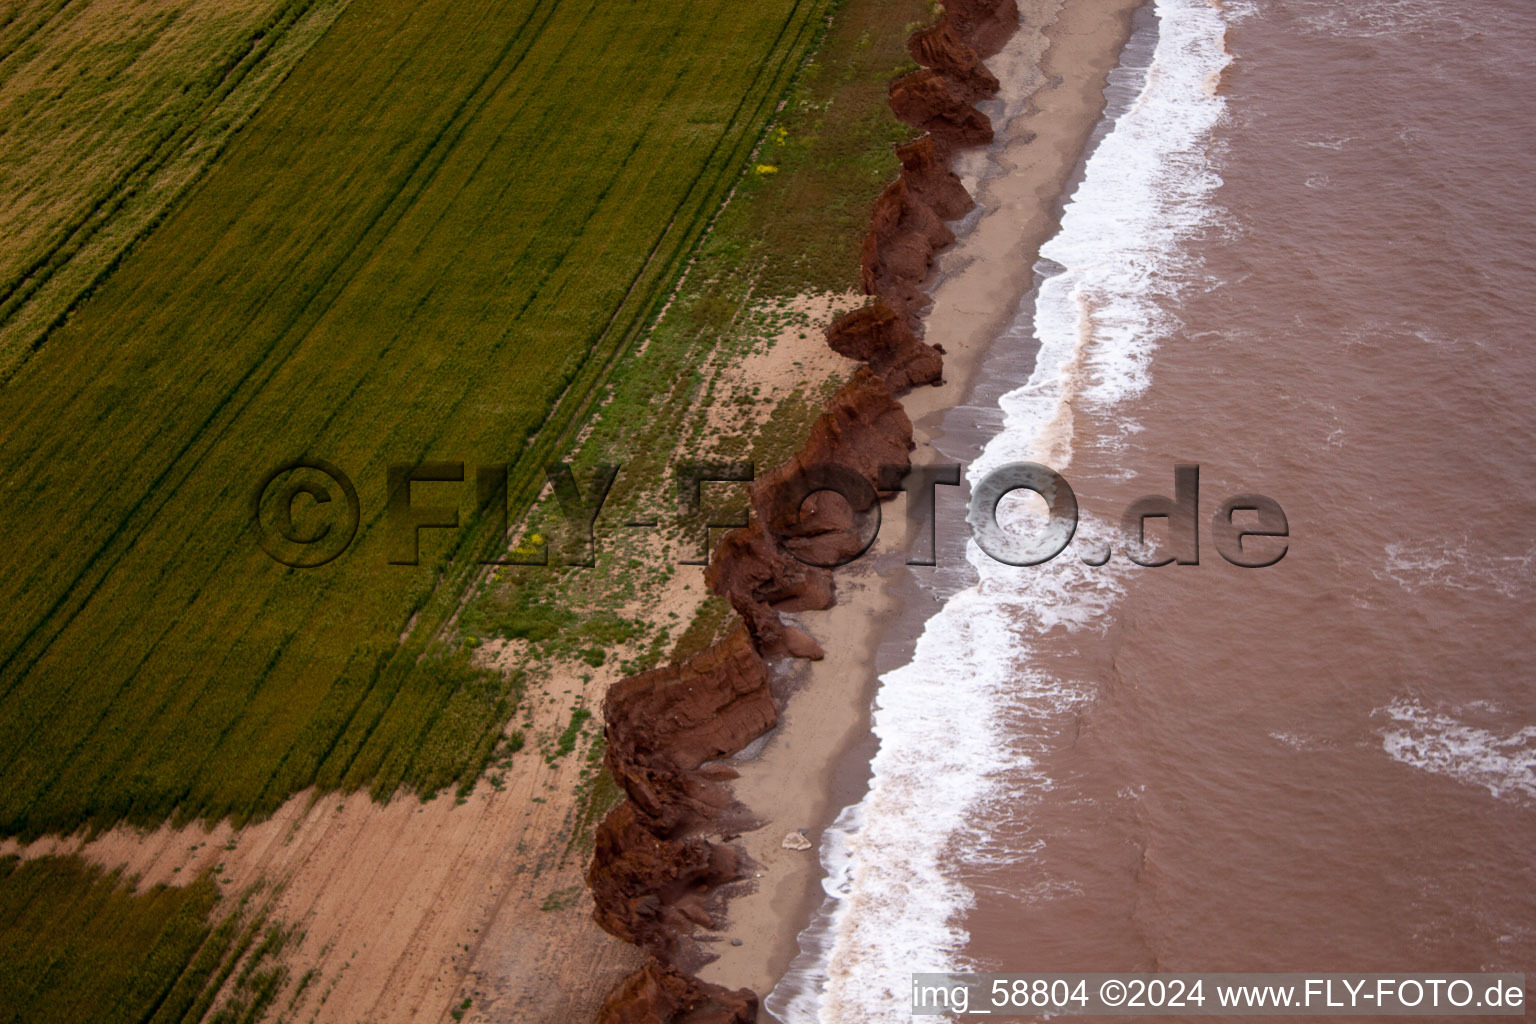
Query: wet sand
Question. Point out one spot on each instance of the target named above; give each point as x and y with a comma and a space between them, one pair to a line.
1053, 73
407, 908
486, 901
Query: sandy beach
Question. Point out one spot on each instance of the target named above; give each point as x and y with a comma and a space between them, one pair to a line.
1053, 72
486, 907
407, 909
600, 259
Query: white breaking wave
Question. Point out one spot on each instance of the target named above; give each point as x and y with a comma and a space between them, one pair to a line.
1452, 564
894, 904
1441, 744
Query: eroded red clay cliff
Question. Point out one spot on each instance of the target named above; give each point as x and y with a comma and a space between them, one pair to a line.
944, 49
984, 24
908, 227
661, 993
879, 336
661, 726
667, 729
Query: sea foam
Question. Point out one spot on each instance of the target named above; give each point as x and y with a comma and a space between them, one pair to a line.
894, 902
1436, 741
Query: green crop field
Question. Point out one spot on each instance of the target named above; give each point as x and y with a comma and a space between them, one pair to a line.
432, 242
436, 237
78, 944
108, 111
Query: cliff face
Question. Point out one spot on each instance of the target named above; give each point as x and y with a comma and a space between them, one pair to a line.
985, 24
667, 729
941, 106
925, 171
879, 336
658, 992
898, 251
945, 50
669, 721
908, 227
858, 447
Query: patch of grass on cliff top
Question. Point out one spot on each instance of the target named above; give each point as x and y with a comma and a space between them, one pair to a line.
80, 944
596, 794
795, 224
435, 241
832, 153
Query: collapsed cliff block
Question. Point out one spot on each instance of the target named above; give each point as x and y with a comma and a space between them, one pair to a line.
941, 48
642, 882
930, 100
759, 579
659, 993
708, 707
985, 24
865, 437
877, 335
926, 171
898, 251
749, 570
651, 868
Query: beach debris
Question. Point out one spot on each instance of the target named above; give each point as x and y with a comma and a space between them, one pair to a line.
735, 942
796, 840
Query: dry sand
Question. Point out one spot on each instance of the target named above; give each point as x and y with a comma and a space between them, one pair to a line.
1053, 72
409, 908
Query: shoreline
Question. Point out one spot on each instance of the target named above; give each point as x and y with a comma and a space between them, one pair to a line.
816, 762
487, 889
